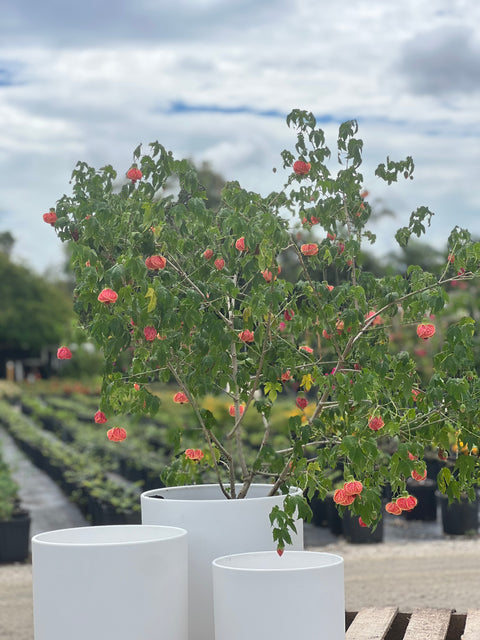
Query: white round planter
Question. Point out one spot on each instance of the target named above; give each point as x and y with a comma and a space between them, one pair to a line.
122, 582
216, 526
262, 595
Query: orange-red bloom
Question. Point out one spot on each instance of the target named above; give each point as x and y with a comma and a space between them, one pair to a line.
353, 488
64, 353
155, 262
240, 244
407, 503
150, 333
310, 249
393, 508
108, 296
194, 454
306, 348
180, 398
117, 434
231, 410
219, 263
419, 476
134, 174
425, 331
340, 497
301, 168
50, 218
301, 403
246, 335
267, 275
286, 376
100, 417
376, 423
207, 254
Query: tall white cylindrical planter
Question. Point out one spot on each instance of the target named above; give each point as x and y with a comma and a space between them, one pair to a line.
216, 526
122, 582
262, 595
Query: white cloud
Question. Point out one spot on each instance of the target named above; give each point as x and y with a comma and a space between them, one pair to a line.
90, 81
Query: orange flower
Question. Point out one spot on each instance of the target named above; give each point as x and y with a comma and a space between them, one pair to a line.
134, 174
108, 296
246, 336
340, 497
180, 398
267, 275
353, 488
155, 262
231, 410
150, 333
393, 508
219, 263
286, 376
376, 423
309, 249
306, 348
425, 331
301, 168
419, 476
207, 254
194, 454
64, 353
407, 503
50, 218
301, 403
288, 314
240, 244
100, 417
326, 335
117, 434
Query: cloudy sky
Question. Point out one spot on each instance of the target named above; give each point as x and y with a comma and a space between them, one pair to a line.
214, 79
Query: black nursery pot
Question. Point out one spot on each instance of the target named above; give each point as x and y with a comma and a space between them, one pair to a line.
356, 534
334, 520
459, 518
426, 508
15, 538
319, 511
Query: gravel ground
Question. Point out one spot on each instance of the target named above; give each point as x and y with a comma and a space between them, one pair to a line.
416, 565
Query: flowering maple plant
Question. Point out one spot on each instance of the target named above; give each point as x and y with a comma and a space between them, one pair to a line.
200, 299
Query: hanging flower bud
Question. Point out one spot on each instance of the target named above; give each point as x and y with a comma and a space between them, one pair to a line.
64, 353
117, 434
107, 296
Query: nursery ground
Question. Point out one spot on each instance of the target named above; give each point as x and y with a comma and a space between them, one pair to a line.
415, 566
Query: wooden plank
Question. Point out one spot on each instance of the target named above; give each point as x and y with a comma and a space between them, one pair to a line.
428, 624
472, 625
371, 623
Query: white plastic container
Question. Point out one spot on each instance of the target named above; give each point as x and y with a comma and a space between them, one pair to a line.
216, 526
262, 595
119, 582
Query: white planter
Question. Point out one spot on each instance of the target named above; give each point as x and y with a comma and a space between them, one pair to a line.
216, 526
262, 595
122, 582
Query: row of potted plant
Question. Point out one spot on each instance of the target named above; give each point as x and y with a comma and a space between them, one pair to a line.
14, 520
137, 462
82, 478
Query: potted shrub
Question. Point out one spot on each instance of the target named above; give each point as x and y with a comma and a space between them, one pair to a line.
268, 298
14, 521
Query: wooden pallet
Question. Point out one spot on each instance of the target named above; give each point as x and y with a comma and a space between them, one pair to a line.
387, 623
